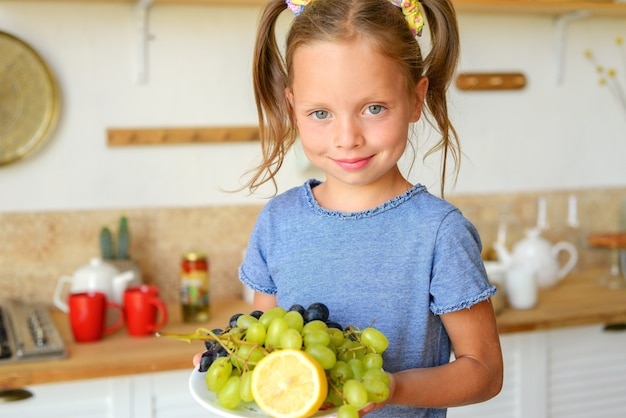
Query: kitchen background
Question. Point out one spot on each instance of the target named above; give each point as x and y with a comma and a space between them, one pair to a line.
563, 134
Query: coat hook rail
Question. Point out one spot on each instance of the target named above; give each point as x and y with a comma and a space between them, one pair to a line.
160, 136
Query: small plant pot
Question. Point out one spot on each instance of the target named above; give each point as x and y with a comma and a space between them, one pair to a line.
128, 265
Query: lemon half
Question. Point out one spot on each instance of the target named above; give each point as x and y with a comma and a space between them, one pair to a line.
289, 384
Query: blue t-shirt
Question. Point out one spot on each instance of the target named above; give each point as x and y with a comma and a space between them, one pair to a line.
396, 267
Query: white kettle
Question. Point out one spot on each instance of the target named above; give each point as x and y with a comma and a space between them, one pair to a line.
96, 276
541, 256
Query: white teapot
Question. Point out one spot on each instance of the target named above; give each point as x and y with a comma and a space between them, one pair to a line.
96, 276
540, 255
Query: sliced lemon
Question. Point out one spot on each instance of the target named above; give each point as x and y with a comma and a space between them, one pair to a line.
289, 384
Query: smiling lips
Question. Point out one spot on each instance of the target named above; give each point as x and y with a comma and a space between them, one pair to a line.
353, 163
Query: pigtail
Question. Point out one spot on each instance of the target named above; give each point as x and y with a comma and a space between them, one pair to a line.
274, 114
440, 66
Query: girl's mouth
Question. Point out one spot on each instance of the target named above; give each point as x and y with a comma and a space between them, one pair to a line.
353, 163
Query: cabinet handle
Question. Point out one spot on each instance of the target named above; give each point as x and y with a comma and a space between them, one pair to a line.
619, 327
12, 395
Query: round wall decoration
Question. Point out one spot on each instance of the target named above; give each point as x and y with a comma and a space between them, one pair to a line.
29, 99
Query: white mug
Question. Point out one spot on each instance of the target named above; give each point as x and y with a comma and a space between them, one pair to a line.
521, 287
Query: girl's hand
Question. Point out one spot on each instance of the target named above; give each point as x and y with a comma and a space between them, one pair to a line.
196, 359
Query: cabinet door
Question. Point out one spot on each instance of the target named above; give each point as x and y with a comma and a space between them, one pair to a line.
98, 398
171, 397
587, 373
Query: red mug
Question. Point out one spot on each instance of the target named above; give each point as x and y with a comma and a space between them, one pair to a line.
87, 313
142, 306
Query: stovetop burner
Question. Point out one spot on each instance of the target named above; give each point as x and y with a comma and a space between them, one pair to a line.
28, 333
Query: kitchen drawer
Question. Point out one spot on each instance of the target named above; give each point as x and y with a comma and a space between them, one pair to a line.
106, 398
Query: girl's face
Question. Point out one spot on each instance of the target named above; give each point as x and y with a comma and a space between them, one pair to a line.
352, 110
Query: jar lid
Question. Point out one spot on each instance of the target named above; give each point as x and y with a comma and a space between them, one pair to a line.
194, 256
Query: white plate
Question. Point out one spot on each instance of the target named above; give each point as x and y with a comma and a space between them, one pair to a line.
206, 398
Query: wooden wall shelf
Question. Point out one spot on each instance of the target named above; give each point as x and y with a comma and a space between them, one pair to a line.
490, 81
164, 136
606, 8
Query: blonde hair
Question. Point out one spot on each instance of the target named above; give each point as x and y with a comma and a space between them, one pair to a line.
384, 27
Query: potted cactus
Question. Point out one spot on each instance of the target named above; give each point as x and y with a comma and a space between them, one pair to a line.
116, 252
120, 252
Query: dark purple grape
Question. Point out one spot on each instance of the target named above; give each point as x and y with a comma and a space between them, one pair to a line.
208, 357
297, 308
316, 311
257, 314
332, 324
232, 323
220, 352
212, 343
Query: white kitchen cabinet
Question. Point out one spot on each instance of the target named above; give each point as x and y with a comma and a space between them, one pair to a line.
569, 373
586, 373
97, 398
156, 395
170, 397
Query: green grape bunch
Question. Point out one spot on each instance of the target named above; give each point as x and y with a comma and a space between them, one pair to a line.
351, 358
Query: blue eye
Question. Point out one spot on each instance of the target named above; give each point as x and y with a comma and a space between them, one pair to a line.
320, 114
375, 109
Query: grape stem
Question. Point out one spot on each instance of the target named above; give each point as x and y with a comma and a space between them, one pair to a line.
335, 389
205, 334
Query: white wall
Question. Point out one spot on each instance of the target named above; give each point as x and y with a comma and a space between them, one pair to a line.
550, 135
547, 136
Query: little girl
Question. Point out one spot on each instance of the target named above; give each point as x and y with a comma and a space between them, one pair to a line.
373, 247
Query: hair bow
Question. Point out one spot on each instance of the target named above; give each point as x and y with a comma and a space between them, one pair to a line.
297, 6
412, 14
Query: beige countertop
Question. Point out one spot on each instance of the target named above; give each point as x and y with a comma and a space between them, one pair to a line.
577, 300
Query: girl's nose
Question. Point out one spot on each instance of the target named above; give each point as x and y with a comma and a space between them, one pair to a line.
348, 134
